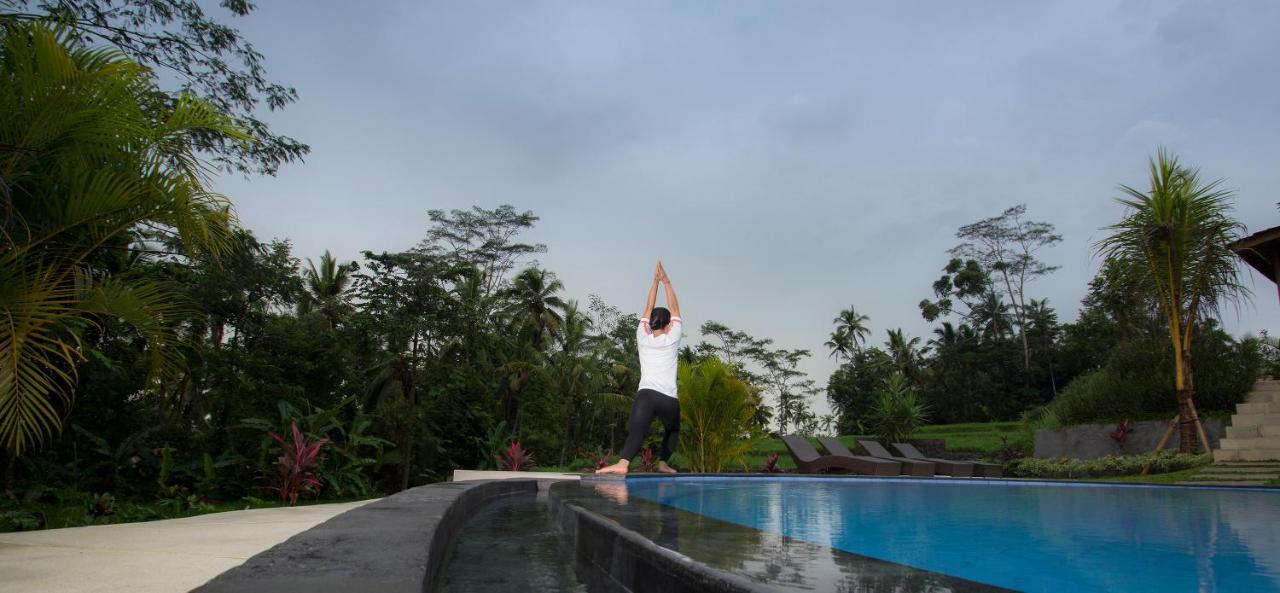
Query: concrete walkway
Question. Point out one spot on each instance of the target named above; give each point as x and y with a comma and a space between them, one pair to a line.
172, 556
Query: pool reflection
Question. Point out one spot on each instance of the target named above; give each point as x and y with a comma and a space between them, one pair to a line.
760, 555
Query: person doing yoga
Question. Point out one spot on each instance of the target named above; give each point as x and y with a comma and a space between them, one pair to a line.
658, 340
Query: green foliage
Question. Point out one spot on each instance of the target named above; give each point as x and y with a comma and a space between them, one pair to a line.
715, 410
1111, 465
1137, 379
89, 155
898, 412
200, 54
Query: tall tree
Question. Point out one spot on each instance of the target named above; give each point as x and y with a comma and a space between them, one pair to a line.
850, 334
327, 287
204, 58
534, 307
1174, 244
87, 156
1007, 246
483, 240
905, 352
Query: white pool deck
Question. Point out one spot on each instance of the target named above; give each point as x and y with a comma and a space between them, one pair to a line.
172, 556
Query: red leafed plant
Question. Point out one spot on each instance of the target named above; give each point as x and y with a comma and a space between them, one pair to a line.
297, 464
515, 458
1121, 433
771, 464
648, 461
599, 458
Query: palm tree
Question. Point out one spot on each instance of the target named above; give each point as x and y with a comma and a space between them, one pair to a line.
89, 158
991, 314
840, 345
851, 333
574, 364
535, 307
1174, 243
327, 287
904, 351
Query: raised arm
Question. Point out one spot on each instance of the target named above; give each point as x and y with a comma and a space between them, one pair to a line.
672, 303
653, 292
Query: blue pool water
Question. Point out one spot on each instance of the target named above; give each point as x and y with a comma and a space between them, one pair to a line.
1025, 536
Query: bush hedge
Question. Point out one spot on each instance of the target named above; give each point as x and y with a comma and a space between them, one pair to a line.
1111, 465
1137, 381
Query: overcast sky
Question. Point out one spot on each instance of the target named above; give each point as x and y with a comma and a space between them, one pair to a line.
786, 160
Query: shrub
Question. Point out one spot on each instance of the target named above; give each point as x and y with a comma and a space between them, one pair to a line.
296, 466
515, 458
648, 461
1136, 381
716, 408
898, 411
1111, 465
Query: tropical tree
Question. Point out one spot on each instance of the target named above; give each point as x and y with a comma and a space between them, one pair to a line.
904, 351
534, 306
91, 154
851, 326
1006, 246
1174, 244
202, 57
840, 346
327, 287
898, 411
715, 406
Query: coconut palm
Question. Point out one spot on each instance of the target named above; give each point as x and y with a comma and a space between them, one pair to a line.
1174, 244
841, 346
91, 154
535, 307
904, 351
327, 287
850, 334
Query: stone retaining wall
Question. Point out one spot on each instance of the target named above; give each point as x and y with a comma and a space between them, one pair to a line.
1090, 441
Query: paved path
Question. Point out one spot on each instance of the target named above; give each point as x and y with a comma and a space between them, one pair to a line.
172, 556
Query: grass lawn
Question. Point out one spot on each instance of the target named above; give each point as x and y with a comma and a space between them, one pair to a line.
981, 438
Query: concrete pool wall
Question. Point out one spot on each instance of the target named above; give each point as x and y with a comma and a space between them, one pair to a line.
395, 545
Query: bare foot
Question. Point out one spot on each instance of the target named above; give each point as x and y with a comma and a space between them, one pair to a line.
619, 468
663, 468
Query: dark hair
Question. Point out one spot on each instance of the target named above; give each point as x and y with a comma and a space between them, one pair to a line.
659, 318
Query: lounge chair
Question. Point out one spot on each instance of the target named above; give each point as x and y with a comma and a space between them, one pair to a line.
808, 460
910, 467
946, 467
980, 469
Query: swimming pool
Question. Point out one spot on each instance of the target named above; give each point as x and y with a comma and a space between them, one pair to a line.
1028, 536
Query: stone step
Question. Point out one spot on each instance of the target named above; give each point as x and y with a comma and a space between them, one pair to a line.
1258, 408
1263, 477
1243, 432
1255, 419
1246, 455
1269, 384
1262, 397
1248, 464
1269, 431
1253, 443
1246, 468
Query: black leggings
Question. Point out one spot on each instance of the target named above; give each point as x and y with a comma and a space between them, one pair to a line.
650, 403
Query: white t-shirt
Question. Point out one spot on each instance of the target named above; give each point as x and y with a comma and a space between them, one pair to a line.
659, 356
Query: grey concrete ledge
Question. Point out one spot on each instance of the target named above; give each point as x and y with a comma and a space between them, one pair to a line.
395, 545
611, 557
